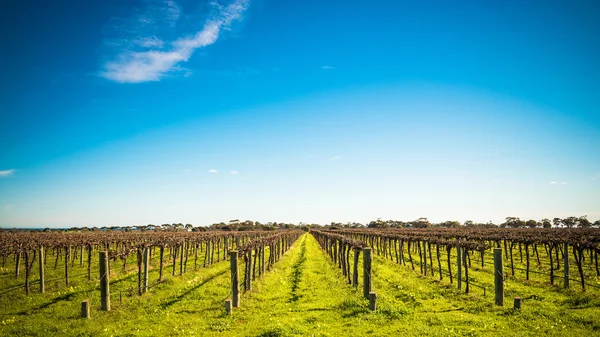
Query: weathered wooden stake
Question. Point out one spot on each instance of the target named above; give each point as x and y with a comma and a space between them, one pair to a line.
517, 303
146, 262
498, 276
372, 301
235, 284
17, 264
104, 282
228, 306
85, 309
355, 270
459, 267
181, 258
367, 268
42, 263
424, 258
262, 260
566, 264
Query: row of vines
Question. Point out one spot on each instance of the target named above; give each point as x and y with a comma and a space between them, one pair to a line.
548, 248
177, 249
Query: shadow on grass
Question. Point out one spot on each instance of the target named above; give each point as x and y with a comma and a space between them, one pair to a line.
199, 285
297, 269
66, 297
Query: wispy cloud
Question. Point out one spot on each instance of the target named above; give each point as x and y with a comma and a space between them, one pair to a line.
558, 183
234, 172
597, 176
213, 171
7, 173
327, 67
334, 158
187, 170
143, 57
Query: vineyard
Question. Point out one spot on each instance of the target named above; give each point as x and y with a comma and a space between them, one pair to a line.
441, 281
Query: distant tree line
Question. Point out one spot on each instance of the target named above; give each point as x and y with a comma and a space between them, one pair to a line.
510, 222
247, 225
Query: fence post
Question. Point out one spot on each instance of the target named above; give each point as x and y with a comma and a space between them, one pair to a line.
566, 266
459, 263
227, 306
235, 284
355, 271
424, 262
367, 268
181, 258
42, 262
146, 261
372, 301
498, 276
517, 303
85, 309
104, 282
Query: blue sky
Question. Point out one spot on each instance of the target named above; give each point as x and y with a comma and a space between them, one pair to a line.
137, 112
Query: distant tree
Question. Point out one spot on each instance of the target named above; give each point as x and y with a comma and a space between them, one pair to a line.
449, 224
546, 223
570, 222
469, 223
378, 224
490, 224
421, 223
513, 222
557, 222
531, 223
583, 222
596, 224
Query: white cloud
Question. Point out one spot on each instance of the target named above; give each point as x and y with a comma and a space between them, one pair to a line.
213, 171
334, 158
149, 61
327, 67
187, 170
233, 172
150, 42
554, 182
597, 176
558, 183
7, 173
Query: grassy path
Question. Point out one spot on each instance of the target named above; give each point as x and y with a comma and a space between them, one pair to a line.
304, 295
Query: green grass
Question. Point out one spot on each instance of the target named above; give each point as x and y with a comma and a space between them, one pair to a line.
304, 294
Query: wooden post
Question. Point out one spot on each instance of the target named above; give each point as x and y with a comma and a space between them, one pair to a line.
424, 262
17, 263
146, 262
235, 284
372, 301
355, 271
181, 258
459, 267
517, 303
85, 309
262, 260
104, 282
228, 306
498, 276
566, 266
42, 263
367, 268
248, 272
67, 255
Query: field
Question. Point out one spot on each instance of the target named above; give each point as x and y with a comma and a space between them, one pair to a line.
302, 293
